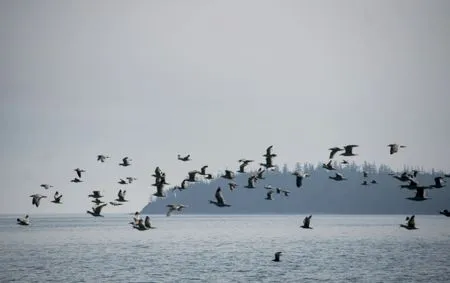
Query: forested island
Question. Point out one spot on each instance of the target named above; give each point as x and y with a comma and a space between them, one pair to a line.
318, 194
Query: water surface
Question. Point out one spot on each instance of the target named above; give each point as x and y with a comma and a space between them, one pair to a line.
237, 248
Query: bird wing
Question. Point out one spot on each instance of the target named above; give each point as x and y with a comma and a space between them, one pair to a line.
99, 208
333, 151
268, 150
299, 181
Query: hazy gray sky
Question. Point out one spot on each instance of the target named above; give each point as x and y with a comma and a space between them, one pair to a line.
221, 80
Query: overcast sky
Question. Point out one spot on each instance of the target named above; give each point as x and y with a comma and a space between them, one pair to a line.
221, 80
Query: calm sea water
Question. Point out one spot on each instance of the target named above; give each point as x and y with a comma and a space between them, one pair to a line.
342, 248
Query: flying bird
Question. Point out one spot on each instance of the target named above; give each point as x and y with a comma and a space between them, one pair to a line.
299, 178
269, 195
182, 187
338, 177
228, 175
125, 161
121, 196
438, 183
328, 166
259, 174
244, 163
393, 147
185, 158
23, 221
96, 210
57, 197
285, 192
333, 151
95, 194
203, 170
191, 176
251, 182
37, 199
79, 171
174, 207
277, 256
348, 150
269, 152
220, 202
102, 158
232, 186
420, 195
46, 186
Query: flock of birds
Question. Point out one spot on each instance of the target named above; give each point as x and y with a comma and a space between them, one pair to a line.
219, 200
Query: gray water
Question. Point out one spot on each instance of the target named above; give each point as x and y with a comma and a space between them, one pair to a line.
239, 248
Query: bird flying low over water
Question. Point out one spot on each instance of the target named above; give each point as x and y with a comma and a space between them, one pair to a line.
174, 207
37, 199
393, 147
445, 212
277, 256
410, 223
185, 158
306, 222
143, 225
96, 210
24, 221
220, 202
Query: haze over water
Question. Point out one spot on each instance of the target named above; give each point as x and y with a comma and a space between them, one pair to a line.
201, 248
